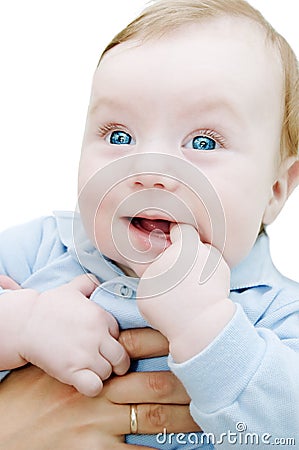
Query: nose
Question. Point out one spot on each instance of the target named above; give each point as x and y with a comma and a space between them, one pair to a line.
154, 171
156, 180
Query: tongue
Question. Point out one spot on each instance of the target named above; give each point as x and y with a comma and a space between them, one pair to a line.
150, 225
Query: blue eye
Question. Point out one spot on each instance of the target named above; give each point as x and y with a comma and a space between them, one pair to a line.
204, 143
120, 138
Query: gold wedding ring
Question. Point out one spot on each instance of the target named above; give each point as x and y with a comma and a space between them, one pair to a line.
133, 419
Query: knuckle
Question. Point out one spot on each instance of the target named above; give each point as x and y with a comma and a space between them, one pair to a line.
101, 314
157, 416
122, 367
161, 383
118, 357
96, 317
130, 342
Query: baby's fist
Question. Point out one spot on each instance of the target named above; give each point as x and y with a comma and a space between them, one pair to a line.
72, 338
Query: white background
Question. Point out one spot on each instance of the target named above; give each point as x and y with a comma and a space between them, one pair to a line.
49, 51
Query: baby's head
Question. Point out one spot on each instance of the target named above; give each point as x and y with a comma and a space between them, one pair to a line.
165, 16
194, 109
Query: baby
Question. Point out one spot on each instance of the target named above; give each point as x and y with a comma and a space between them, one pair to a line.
190, 149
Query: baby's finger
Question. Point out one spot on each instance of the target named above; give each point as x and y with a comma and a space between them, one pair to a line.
101, 366
184, 231
112, 324
85, 284
86, 382
114, 352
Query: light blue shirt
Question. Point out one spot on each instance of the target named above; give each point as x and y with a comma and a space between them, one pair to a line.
244, 386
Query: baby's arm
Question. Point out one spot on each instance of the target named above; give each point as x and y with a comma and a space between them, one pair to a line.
246, 377
62, 332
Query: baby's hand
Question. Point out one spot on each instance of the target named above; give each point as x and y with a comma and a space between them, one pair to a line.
180, 294
73, 339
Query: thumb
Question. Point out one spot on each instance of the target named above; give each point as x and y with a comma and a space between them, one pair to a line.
184, 232
85, 284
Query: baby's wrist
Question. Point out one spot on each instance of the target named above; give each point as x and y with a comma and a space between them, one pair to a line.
196, 332
15, 311
25, 313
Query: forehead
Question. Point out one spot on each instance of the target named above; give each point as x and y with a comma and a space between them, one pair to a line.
218, 55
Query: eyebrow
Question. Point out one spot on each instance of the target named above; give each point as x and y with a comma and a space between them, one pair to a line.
103, 101
210, 104
221, 105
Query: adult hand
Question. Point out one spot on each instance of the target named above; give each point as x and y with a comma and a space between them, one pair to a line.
38, 412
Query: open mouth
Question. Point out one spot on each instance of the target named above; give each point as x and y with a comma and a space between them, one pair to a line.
152, 225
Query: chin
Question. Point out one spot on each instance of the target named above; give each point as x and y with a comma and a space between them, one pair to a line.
136, 270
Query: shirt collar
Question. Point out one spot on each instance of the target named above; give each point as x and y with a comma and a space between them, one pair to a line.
73, 237
255, 270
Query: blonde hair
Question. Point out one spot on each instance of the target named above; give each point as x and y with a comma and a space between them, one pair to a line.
163, 16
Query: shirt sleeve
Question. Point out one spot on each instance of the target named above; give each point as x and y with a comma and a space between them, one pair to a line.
246, 380
26, 248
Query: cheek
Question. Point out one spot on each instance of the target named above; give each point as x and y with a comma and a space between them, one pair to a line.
244, 209
85, 171
93, 204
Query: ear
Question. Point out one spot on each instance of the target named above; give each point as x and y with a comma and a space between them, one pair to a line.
288, 179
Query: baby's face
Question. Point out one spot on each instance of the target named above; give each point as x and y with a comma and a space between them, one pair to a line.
183, 129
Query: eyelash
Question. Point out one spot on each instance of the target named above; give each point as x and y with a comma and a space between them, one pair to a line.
208, 133
105, 129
